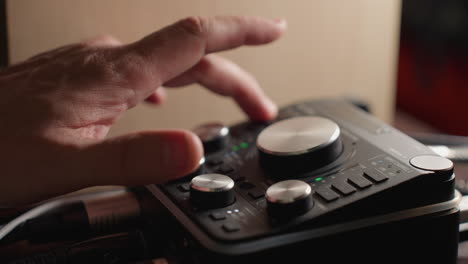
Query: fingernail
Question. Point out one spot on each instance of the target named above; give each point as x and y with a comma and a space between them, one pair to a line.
281, 22
183, 154
272, 109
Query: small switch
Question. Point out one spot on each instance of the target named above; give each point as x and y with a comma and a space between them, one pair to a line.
375, 176
184, 187
327, 194
217, 216
231, 227
256, 193
246, 185
343, 187
359, 181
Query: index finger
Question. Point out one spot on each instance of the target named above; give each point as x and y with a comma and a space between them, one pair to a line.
176, 48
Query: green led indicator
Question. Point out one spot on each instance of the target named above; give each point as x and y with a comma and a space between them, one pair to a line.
235, 148
318, 179
244, 145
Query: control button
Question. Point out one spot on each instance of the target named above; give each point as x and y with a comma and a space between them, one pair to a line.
246, 185
225, 169
214, 162
327, 194
212, 191
359, 181
231, 227
289, 198
299, 144
431, 163
256, 193
343, 187
375, 176
213, 136
217, 216
184, 187
239, 178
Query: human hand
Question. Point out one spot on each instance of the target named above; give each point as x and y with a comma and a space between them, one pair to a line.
57, 107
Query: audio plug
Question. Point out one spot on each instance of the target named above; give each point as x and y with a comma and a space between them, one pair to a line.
78, 217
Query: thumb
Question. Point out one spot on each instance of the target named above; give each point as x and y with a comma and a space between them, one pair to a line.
134, 159
141, 158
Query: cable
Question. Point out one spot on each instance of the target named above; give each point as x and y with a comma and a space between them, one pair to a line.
34, 212
114, 248
74, 216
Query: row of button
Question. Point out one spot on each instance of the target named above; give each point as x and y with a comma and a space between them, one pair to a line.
227, 226
326, 193
346, 188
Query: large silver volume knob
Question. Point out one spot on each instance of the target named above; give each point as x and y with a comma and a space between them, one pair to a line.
212, 191
299, 144
213, 136
289, 198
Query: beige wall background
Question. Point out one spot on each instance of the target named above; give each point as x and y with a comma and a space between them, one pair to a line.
331, 48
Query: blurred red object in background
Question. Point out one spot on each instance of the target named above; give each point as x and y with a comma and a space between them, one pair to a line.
432, 82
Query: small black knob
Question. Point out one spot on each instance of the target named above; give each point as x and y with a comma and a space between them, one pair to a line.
213, 136
212, 191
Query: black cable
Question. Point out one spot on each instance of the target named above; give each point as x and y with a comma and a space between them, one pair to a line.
76, 217
116, 248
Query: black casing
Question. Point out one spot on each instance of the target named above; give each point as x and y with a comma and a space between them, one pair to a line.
411, 215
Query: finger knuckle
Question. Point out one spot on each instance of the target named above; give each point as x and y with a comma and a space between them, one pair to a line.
195, 25
102, 40
114, 68
133, 66
96, 64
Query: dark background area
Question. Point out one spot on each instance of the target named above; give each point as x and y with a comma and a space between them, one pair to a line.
3, 35
432, 82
